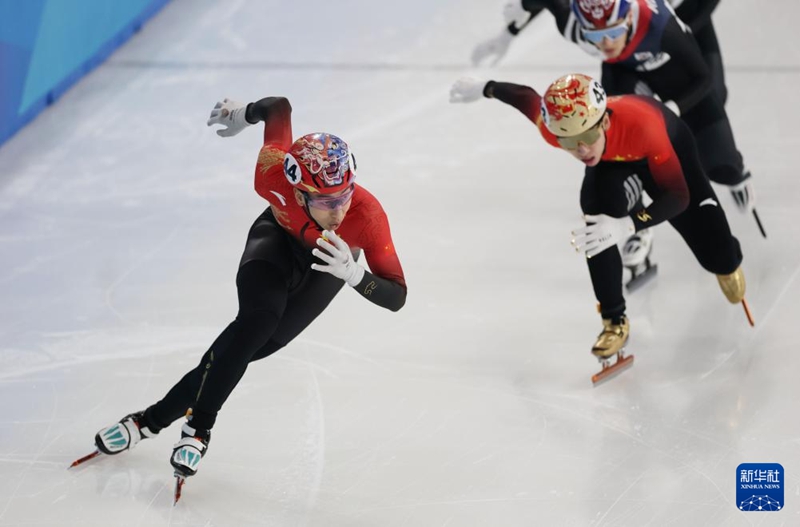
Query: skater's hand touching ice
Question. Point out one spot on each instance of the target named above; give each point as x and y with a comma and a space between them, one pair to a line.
339, 259
231, 114
600, 233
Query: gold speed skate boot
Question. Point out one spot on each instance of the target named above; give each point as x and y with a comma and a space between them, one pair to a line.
732, 285
610, 342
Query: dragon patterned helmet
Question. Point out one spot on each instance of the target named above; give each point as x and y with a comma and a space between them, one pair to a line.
573, 104
319, 163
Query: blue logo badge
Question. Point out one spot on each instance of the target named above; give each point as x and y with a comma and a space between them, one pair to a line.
759, 487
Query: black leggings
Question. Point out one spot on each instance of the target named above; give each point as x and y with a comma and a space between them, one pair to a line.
279, 296
709, 121
608, 188
719, 155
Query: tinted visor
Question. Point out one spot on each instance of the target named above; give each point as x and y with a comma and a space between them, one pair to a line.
321, 201
587, 137
596, 36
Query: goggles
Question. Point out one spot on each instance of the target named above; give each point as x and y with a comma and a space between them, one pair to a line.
326, 202
596, 36
587, 137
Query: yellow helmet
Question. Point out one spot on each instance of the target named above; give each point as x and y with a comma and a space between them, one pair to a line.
573, 104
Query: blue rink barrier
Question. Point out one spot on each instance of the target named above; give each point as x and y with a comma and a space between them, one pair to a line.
46, 46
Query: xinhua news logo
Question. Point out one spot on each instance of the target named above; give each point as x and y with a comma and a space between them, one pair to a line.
759, 487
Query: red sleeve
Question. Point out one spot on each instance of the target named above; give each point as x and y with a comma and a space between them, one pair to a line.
379, 251
270, 160
277, 141
278, 126
384, 284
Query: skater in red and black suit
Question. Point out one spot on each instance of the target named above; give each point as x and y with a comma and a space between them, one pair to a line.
646, 49
519, 13
628, 144
299, 253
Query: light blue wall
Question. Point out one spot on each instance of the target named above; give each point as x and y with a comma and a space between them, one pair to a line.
47, 45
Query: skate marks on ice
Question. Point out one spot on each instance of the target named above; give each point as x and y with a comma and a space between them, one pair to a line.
551, 414
763, 324
82, 348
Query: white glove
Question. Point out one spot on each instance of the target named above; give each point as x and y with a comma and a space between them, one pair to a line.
467, 89
339, 259
495, 46
744, 195
601, 233
514, 13
231, 114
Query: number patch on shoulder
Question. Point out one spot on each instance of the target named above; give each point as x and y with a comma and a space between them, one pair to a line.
291, 169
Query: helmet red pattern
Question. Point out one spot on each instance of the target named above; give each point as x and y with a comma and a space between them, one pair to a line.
599, 14
319, 163
572, 104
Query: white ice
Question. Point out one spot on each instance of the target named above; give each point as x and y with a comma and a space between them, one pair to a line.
122, 219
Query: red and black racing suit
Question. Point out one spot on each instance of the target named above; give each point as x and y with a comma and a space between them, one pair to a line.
279, 294
647, 148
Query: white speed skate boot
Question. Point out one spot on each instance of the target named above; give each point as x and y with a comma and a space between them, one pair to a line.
611, 342
636, 253
118, 437
123, 435
187, 454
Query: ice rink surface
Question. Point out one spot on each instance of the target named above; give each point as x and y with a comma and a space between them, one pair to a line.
123, 217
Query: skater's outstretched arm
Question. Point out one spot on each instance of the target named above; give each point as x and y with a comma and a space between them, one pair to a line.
523, 98
276, 113
517, 15
526, 100
560, 9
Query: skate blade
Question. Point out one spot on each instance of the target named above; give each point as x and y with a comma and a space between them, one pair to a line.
758, 222
179, 481
748, 314
641, 279
609, 372
84, 459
